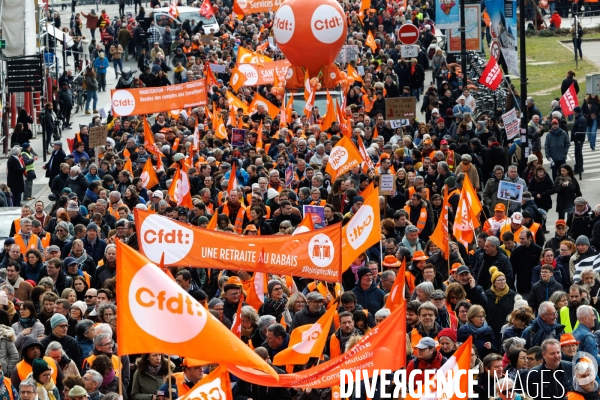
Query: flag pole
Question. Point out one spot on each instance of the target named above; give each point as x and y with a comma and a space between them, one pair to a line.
169, 375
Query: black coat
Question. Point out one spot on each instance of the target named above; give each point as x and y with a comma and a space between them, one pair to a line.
59, 182
523, 260
14, 178
245, 390
417, 78
565, 195
545, 385
580, 224
579, 126
53, 165
595, 238
479, 339
69, 345
482, 263
541, 291
545, 188
78, 185
496, 313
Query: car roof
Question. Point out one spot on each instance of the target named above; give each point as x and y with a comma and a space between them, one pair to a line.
179, 8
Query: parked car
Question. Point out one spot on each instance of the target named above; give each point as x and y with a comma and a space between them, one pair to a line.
7, 216
320, 100
162, 19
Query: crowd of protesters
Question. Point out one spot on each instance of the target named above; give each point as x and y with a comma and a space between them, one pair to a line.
518, 291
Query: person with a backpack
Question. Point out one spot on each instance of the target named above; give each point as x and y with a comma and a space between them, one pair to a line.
576, 35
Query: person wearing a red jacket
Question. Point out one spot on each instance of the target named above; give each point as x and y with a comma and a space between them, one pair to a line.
427, 358
555, 21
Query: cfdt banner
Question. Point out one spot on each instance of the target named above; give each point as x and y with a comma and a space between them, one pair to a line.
315, 255
503, 27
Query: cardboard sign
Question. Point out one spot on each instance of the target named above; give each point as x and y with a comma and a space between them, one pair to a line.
400, 107
511, 124
98, 136
238, 137
387, 184
218, 68
410, 51
206, 38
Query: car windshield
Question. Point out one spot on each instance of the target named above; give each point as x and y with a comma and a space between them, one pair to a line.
195, 16
5, 224
320, 101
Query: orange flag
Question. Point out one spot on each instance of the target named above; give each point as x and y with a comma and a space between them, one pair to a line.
396, 296
149, 177
180, 189
344, 125
289, 108
212, 224
150, 144
344, 156
306, 341
238, 78
460, 360
368, 190
259, 100
440, 236
330, 116
371, 42
215, 385
165, 269
375, 132
353, 73
145, 297
363, 230
259, 139
126, 153
128, 166
368, 163
235, 102
309, 95
233, 182
307, 225
219, 127
236, 326
257, 290
474, 203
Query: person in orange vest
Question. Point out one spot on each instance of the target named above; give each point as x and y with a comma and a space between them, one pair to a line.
32, 349
536, 229
26, 239
419, 216
336, 345
235, 211
515, 226
15, 227
192, 373
38, 230
494, 224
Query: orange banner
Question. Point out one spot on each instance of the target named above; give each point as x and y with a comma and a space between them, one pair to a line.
215, 385
363, 230
248, 7
158, 99
396, 297
314, 255
264, 74
381, 348
440, 235
153, 310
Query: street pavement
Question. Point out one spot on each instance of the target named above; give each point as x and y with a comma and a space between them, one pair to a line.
591, 191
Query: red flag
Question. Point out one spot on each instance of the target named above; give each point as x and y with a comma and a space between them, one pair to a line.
206, 9
569, 101
491, 75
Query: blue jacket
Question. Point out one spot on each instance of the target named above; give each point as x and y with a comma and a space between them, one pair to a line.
370, 299
101, 64
96, 251
587, 341
86, 346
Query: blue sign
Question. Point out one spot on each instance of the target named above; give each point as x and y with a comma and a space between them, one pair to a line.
447, 14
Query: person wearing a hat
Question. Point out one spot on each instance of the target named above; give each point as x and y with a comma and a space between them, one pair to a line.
515, 226
581, 220
315, 308
561, 233
578, 132
493, 225
427, 357
32, 350
369, 296
60, 326
444, 319
233, 293
461, 107
447, 341
275, 304
419, 259
467, 167
42, 375
78, 393
500, 301
449, 155
556, 147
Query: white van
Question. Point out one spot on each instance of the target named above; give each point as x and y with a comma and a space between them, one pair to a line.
162, 19
320, 100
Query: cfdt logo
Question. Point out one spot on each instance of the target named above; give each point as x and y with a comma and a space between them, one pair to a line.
284, 24
321, 250
123, 102
160, 235
327, 24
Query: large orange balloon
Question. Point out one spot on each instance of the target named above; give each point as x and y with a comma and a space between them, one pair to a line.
310, 33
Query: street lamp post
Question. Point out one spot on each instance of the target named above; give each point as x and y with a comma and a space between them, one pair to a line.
463, 43
523, 72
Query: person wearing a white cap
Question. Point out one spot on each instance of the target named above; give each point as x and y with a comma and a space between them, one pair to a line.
515, 226
461, 107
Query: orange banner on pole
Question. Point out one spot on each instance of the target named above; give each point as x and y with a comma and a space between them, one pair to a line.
126, 102
153, 310
440, 236
381, 348
260, 101
215, 385
180, 189
474, 203
396, 296
314, 255
256, 6
307, 225
306, 341
371, 42
264, 74
149, 177
257, 289
250, 57
353, 73
343, 157
363, 230
235, 102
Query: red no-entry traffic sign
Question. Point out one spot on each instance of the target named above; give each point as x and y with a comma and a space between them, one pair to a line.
408, 34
